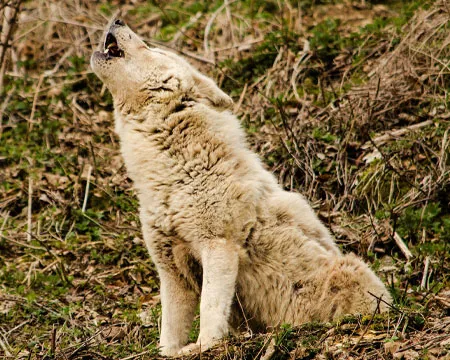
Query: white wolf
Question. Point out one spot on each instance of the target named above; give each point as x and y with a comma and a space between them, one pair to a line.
218, 227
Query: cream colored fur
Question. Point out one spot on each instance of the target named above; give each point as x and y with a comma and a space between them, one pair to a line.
217, 225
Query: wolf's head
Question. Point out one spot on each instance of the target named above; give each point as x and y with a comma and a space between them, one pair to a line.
133, 72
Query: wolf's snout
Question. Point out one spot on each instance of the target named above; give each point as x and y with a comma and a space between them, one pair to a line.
119, 22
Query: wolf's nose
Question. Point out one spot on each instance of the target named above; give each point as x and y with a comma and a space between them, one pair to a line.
119, 22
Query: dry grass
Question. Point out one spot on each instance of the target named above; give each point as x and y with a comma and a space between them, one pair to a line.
356, 119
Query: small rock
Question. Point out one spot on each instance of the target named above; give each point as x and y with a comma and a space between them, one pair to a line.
446, 343
114, 333
147, 319
391, 347
103, 116
406, 355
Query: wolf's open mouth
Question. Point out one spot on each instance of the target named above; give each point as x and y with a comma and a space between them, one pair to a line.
111, 47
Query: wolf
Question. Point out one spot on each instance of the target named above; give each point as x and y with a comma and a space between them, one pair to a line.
220, 230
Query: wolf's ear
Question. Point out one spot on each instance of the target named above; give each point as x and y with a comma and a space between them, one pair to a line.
205, 90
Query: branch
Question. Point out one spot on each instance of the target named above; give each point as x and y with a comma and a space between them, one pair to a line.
10, 12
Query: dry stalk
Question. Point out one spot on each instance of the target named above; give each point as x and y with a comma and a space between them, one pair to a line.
270, 350
53, 341
136, 355
4, 105
241, 99
230, 21
5, 220
208, 29
209, 24
298, 67
402, 246
181, 32
86, 192
393, 135
33, 107
17, 327
10, 13
29, 209
424, 282
368, 325
443, 156
20, 243
268, 340
5, 346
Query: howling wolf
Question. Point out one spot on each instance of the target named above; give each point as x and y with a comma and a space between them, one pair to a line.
218, 227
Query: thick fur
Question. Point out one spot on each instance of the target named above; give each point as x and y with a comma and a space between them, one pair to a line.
217, 225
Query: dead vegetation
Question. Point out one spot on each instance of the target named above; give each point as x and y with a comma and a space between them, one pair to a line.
355, 118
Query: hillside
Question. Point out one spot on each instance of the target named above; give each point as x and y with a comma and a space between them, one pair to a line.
346, 102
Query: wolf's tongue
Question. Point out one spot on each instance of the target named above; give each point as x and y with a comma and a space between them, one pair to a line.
114, 51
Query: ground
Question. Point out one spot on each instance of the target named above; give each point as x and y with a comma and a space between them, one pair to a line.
346, 101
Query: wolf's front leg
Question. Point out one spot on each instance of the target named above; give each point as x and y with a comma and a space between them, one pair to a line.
178, 310
220, 262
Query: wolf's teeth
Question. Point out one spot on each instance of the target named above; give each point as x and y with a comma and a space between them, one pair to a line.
113, 44
106, 51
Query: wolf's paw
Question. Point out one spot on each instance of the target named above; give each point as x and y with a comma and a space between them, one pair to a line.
169, 351
197, 347
189, 349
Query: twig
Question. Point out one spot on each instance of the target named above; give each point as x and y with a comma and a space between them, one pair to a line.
20, 244
305, 55
182, 30
148, 20
5, 220
3, 107
241, 99
181, 52
4, 346
84, 343
241, 47
83, 209
136, 355
423, 284
402, 246
442, 160
11, 11
56, 257
163, 11
445, 65
269, 339
249, 330
31, 267
75, 23
53, 342
379, 140
209, 25
270, 350
33, 107
29, 31
228, 12
420, 343
368, 325
29, 213
399, 322
380, 298
17, 327
197, 57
